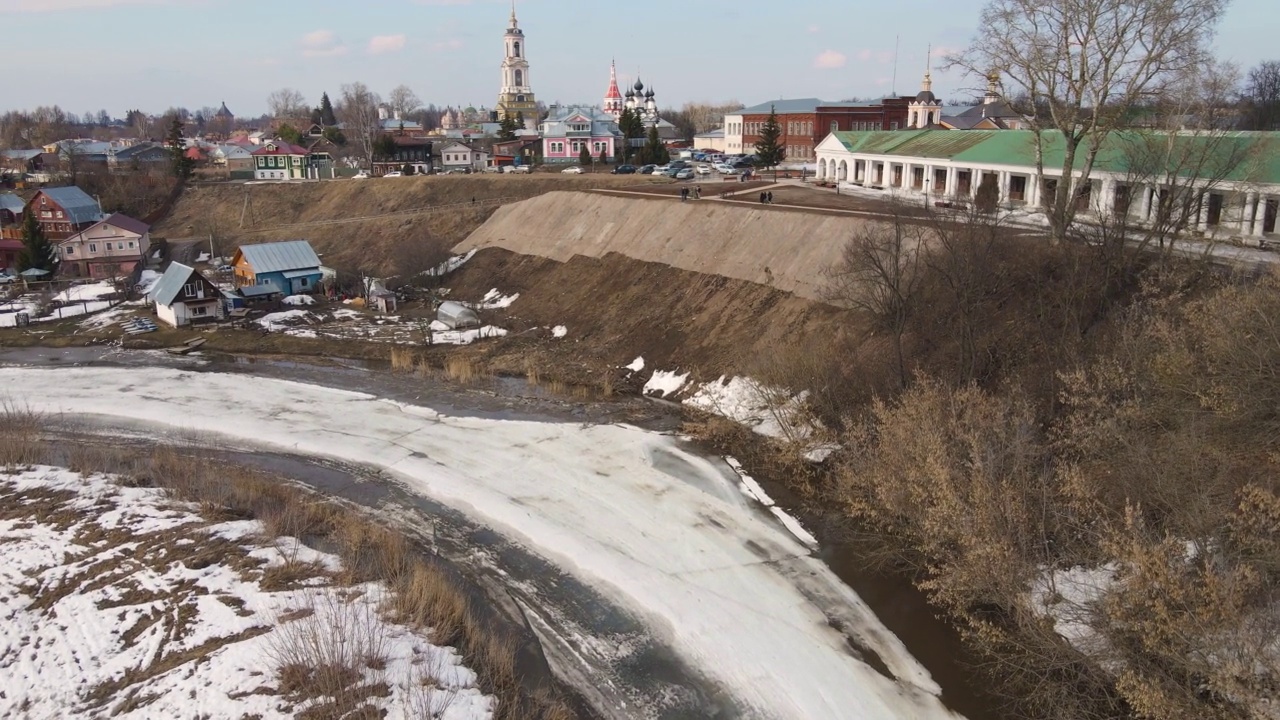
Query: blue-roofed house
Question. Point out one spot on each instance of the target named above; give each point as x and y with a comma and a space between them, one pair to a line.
64, 211
183, 296
289, 267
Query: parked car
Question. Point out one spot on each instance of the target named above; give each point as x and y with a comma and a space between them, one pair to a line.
725, 169
661, 169
523, 169
624, 170
703, 170
362, 175
647, 169
678, 164
575, 170
497, 169
684, 174
741, 165
394, 173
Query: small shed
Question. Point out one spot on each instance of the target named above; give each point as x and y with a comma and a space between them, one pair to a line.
380, 298
456, 315
182, 296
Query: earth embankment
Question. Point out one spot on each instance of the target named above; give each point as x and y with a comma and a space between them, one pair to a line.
360, 224
788, 251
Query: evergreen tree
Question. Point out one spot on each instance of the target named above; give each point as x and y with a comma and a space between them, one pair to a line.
37, 251
335, 136
619, 157
181, 164
654, 151
317, 118
584, 157
520, 118
768, 151
507, 128
327, 118
604, 157
384, 147
289, 134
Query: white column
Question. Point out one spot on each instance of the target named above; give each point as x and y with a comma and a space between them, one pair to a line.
951, 182
1107, 203
975, 179
1246, 216
1033, 190
1144, 205
1260, 217
1002, 184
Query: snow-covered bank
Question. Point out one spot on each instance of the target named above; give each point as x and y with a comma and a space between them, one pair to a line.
105, 615
631, 512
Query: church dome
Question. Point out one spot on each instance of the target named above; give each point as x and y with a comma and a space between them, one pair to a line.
649, 93
926, 96
639, 86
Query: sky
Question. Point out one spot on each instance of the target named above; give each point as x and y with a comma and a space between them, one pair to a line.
155, 54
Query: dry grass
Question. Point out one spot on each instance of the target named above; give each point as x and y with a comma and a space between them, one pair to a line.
423, 593
403, 359
461, 369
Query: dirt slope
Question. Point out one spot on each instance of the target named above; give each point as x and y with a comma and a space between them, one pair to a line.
789, 251
616, 308
218, 209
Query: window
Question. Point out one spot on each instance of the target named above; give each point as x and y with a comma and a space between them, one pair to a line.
304, 282
189, 289
893, 125
835, 125
71, 250
516, 52
58, 214
201, 310
93, 247
519, 78
46, 214
130, 244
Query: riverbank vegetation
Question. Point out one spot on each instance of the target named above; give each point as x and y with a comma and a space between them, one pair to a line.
1073, 449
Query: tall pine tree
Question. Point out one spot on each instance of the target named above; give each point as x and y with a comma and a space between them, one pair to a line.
768, 152
181, 165
37, 251
327, 118
507, 128
654, 151
584, 157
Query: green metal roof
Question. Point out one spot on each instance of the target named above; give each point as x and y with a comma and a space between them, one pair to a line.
1238, 156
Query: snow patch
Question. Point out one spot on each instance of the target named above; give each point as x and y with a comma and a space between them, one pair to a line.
1068, 598
450, 265
494, 300
277, 321
299, 300
636, 365
664, 383
753, 490
559, 331
105, 319
772, 412
81, 293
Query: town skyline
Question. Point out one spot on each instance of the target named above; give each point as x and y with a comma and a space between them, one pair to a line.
449, 51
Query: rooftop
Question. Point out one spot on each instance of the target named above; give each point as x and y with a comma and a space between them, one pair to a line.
280, 256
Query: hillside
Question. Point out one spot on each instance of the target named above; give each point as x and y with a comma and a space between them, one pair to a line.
236, 213
791, 252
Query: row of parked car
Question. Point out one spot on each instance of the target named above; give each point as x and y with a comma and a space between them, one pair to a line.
684, 170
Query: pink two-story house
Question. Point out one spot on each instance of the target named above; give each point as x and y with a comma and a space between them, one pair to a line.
568, 129
110, 248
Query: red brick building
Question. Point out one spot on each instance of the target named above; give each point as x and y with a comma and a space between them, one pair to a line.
804, 122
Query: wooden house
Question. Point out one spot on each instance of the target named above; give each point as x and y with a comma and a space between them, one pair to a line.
290, 268
182, 296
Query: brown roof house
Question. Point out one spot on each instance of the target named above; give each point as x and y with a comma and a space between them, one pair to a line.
111, 248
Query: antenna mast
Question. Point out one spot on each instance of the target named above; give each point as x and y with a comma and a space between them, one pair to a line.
894, 84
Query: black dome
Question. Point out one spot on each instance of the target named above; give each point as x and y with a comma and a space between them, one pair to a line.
926, 96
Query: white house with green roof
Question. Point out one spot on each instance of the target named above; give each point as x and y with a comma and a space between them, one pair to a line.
1239, 171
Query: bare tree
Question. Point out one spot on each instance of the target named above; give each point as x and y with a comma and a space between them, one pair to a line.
880, 273
1086, 63
358, 111
1262, 97
287, 105
403, 102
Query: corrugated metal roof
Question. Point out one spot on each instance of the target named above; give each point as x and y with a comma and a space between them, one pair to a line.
797, 105
80, 208
170, 283
294, 274
280, 256
124, 222
12, 203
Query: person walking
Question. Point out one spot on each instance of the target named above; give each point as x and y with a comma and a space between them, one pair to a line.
770, 197
684, 194
697, 193
762, 198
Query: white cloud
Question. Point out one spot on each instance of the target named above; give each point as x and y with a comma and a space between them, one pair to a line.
443, 45
814, 29
322, 43
46, 6
382, 44
829, 60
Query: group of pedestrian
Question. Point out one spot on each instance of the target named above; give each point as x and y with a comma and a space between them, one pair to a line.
766, 198
685, 192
